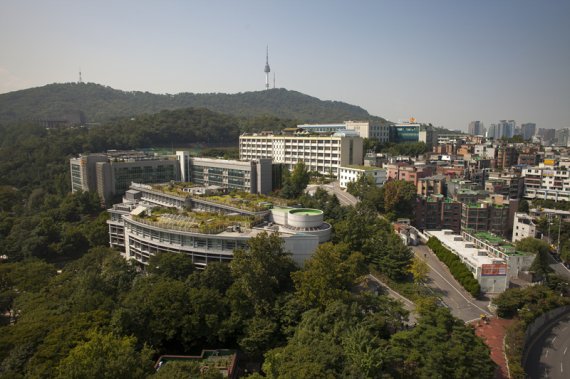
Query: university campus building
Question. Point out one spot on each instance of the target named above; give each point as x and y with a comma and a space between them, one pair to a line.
320, 153
207, 225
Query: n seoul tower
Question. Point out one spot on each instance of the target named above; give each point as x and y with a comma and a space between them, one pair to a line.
267, 69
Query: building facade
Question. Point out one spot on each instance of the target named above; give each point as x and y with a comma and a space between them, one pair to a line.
476, 128
111, 174
546, 182
254, 176
523, 227
205, 229
349, 174
320, 153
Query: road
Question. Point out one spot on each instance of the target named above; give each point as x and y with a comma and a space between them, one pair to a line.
461, 304
333, 188
559, 268
548, 356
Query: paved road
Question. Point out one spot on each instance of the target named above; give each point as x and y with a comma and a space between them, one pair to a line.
549, 356
444, 285
333, 188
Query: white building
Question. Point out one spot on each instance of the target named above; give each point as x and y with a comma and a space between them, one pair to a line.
347, 174
321, 153
547, 182
364, 129
490, 272
497, 247
141, 226
523, 227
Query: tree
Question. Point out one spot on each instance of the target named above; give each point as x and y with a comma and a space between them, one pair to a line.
419, 269
386, 251
440, 346
295, 183
170, 265
154, 311
105, 355
523, 206
262, 271
328, 276
399, 197
185, 370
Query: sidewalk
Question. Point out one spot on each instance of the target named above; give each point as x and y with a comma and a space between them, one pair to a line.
493, 334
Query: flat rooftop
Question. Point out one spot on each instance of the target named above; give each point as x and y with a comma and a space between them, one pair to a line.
462, 248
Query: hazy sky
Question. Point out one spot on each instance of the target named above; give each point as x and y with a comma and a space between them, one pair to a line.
444, 62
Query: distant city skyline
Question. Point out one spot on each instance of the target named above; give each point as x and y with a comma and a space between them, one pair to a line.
443, 62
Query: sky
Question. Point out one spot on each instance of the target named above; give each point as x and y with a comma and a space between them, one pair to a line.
442, 62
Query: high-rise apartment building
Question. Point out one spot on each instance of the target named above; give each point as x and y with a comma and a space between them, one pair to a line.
561, 137
528, 130
547, 135
476, 128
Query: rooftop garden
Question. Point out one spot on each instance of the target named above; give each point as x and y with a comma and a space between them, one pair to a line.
246, 201
237, 199
494, 240
198, 222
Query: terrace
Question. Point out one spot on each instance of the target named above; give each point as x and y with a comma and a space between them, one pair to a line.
234, 199
196, 222
495, 241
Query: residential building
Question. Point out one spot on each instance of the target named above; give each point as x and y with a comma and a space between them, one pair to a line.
254, 176
321, 153
349, 174
432, 185
476, 128
507, 184
552, 213
497, 247
561, 137
492, 214
408, 172
546, 182
547, 135
435, 212
175, 218
523, 227
507, 156
528, 130
490, 271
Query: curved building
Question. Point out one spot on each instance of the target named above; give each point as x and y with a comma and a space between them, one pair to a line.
204, 228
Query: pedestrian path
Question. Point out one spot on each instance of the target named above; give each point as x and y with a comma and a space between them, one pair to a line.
493, 333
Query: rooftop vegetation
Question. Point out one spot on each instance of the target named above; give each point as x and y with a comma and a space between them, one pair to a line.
199, 222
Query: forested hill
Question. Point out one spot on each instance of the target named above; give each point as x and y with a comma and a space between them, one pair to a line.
89, 102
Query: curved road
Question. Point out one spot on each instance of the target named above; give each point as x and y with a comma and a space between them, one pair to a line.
549, 355
461, 304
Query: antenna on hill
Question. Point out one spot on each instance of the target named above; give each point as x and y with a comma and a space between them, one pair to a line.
267, 69
273, 79
80, 79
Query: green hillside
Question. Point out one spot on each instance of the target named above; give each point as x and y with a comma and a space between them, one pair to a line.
89, 102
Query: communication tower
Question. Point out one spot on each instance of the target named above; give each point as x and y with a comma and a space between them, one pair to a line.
267, 69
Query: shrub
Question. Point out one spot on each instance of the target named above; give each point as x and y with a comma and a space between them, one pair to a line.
457, 268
